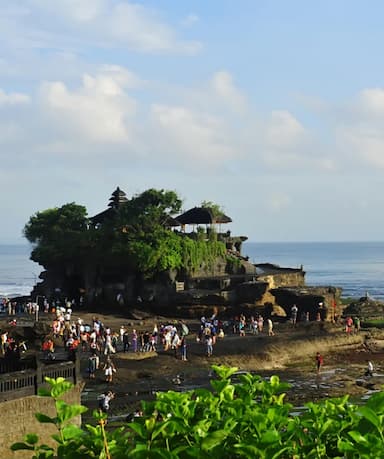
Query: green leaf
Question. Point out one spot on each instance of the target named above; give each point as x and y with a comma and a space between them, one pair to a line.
72, 431
214, 439
60, 387
21, 446
65, 412
138, 428
370, 415
32, 439
41, 417
360, 439
44, 392
270, 436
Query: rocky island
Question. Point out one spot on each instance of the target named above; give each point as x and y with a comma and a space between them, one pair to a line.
143, 252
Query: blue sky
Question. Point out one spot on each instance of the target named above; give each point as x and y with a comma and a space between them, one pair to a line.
272, 109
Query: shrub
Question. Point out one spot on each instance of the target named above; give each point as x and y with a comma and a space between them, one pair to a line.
240, 417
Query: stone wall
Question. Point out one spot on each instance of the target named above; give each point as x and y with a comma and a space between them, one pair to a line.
19, 419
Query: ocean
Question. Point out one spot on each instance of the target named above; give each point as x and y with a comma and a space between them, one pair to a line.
18, 274
356, 267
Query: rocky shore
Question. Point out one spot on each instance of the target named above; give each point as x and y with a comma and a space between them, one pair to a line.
290, 354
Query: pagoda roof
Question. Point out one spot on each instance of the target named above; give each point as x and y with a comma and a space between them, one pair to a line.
201, 215
117, 198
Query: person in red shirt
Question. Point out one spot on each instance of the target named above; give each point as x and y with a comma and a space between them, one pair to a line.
319, 361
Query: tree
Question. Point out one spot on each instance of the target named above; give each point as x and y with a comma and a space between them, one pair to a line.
58, 234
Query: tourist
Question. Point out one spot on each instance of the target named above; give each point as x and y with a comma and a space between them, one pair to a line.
176, 341
109, 368
134, 340
93, 365
122, 331
209, 343
48, 349
253, 326
356, 324
183, 348
104, 400
294, 311
108, 346
260, 323
155, 333
348, 324
319, 361
369, 371
242, 326
270, 327
4, 337
125, 341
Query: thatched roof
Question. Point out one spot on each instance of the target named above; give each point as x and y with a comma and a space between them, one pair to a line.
201, 215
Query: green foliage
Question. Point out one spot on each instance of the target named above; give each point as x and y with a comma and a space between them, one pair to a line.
233, 263
216, 209
199, 253
241, 416
136, 237
58, 234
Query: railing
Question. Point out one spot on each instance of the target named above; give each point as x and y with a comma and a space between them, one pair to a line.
27, 382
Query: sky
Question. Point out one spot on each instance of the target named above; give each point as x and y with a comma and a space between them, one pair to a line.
272, 109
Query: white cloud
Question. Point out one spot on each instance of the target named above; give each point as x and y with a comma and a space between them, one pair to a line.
283, 130
223, 85
278, 201
97, 111
70, 24
13, 98
191, 135
190, 20
359, 132
371, 101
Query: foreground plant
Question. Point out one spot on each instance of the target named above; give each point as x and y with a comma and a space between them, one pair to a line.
242, 416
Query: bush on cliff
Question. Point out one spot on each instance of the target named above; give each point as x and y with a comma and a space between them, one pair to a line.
242, 417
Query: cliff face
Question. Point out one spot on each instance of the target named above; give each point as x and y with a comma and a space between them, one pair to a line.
255, 288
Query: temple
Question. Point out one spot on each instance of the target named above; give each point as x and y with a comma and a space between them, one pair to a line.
231, 282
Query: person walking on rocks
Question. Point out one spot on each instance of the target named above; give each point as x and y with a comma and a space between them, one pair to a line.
104, 400
209, 343
270, 327
93, 365
183, 348
369, 371
109, 368
134, 340
319, 361
125, 341
294, 311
